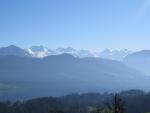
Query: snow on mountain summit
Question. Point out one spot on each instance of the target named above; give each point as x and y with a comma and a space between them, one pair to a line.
41, 51
38, 51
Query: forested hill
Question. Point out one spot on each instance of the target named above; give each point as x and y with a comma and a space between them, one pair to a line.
135, 101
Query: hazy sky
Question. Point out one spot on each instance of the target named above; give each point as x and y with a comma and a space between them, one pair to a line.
82, 24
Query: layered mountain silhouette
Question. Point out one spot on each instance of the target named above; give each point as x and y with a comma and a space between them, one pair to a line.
26, 77
40, 71
114, 54
41, 52
13, 50
139, 60
107, 54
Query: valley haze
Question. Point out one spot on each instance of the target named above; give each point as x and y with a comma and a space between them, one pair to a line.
64, 70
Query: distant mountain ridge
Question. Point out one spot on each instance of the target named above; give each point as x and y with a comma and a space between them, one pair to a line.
57, 75
114, 54
13, 50
139, 60
62, 71
107, 54
41, 52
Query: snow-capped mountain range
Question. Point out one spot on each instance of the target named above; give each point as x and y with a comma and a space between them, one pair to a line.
41, 51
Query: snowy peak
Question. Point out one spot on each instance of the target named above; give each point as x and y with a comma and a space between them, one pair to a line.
41, 51
38, 51
114, 54
68, 50
75, 53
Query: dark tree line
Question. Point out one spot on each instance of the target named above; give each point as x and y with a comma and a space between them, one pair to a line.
117, 105
133, 101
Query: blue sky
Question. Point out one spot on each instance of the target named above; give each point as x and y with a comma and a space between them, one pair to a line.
82, 24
